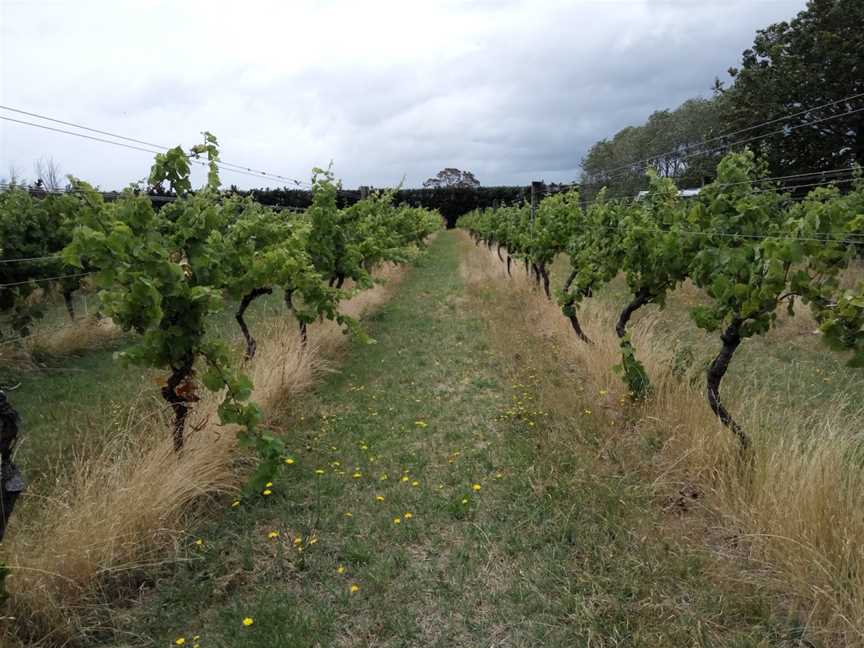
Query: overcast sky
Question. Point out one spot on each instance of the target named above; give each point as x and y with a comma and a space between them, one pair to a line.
513, 91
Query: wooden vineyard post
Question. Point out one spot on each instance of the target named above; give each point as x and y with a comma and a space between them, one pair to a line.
11, 481
536, 189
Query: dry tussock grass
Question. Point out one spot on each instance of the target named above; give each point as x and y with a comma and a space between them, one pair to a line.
71, 337
121, 510
82, 333
793, 515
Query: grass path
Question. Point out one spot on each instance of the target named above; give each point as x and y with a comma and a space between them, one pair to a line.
433, 501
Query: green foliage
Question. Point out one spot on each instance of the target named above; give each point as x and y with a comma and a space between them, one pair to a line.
804, 63
162, 273
31, 228
746, 244
661, 144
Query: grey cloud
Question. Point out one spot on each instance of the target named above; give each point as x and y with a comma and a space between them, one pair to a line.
509, 90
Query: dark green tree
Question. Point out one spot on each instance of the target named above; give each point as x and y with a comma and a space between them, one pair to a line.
794, 67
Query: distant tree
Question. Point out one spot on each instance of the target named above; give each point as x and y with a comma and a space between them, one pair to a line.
48, 176
452, 178
667, 142
793, 67
14, 177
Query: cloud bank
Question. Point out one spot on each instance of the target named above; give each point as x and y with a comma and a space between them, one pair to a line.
513, 91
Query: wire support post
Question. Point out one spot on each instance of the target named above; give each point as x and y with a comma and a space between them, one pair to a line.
536, 194
11, 481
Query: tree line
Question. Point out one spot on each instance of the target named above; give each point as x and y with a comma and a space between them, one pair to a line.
793, 98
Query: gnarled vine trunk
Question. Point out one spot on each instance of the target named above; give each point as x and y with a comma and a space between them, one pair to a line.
70, 305
500, 258
570, 311
641, 298
731, 339
179, 402
248, 298
289, 293
509, 260
544, 274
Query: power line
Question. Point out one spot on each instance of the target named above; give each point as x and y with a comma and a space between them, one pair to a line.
761, 180
154, 148
737, 132
90, 137
755, 138
776, 132
143, 142
30, 259
22, 283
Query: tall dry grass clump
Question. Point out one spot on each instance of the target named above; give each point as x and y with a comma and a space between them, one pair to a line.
791, 517
87, 539
82, 333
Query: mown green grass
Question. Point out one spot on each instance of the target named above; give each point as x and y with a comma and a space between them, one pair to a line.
554, 549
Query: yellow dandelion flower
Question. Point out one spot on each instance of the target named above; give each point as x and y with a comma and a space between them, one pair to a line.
268, 484
364, 447
405, 478
180, 641
248, 621
408, 515
298, 540
476, 488
289, 461
587, 412
273, 535
313, 540
415, 483
464, 500
199, 542
421, 424
335, 464
319, 471
397, 520
340, 569
379, 498
498, 475
235, 503
357, 475
266, 492
384, 477
354, 588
